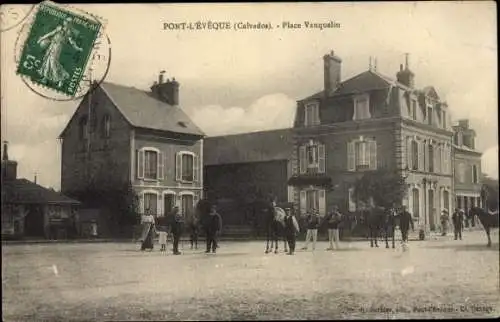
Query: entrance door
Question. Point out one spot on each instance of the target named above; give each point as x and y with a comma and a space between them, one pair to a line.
432, 211
34, 222
187, 206
168, 204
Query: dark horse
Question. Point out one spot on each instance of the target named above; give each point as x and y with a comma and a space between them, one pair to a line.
274, 225
488, 220
380, 221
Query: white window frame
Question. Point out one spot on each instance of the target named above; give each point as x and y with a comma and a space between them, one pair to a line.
320, 194
186, 193
160, 163
366, 113
311, 109
179, 167
352, 155
320, 162
143, 200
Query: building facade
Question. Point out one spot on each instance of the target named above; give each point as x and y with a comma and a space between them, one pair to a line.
30, 210
467, 167
122, 136
242, 168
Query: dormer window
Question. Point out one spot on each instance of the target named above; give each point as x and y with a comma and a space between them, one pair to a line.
361, 107
429, 114
311, 114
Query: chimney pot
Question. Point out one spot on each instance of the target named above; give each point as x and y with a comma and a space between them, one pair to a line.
401, 67
5, 152
331, 73
160, 77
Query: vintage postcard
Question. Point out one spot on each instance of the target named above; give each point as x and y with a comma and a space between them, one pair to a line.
249, 161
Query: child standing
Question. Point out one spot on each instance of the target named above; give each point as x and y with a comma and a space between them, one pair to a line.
163, 238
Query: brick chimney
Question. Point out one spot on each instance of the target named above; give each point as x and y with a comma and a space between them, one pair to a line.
167, 92
332, 67
406, 76
468, 134
9, 167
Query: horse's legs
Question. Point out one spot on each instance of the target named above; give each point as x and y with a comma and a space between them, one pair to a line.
487, 228
267, 242
393, 229
386, 232
371, 236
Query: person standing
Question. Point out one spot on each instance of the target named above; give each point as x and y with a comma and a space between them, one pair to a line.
194, 231
445, 218
291, 230
333, 221
148, 231
457, 219
312, 229
213, 226
177, 228
405, 221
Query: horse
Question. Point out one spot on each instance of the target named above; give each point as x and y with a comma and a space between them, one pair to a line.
275, 227
487, 218
379, 221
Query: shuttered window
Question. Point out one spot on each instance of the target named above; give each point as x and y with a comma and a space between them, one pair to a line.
150, 164
303, 202
312, 158
187, 167
362, 155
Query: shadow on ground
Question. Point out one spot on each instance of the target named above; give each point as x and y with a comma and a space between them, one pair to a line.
474, 247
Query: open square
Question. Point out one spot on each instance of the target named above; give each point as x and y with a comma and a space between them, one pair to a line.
115, 281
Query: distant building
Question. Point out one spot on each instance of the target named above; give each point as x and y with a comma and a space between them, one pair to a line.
122, 136
241, 168
30, 210
364, 123
467, 169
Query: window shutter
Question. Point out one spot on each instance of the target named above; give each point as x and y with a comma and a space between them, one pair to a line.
178, 166
302, 159
159, 205
140, 164
160, 164
351, 200
447, 153
321, 158
408, 154
350, 156
421, 156
303, 202
322, 202
372, 146
316, 112
196, 168
437, 159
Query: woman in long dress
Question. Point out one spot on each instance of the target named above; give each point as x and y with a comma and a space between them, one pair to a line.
148, 232
51, 68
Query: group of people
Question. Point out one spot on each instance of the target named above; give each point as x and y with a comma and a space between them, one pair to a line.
174, 224
458, 219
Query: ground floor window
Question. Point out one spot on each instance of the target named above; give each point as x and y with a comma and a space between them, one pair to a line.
446, 200
416, 202
150, 203
187, 205
168, 203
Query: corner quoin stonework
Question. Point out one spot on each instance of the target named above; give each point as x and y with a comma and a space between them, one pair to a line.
58, 48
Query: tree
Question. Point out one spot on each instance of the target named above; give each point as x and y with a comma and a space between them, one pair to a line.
383, 187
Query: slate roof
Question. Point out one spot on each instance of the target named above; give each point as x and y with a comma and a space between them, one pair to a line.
141, 109
23, 191
366, 81
248, 147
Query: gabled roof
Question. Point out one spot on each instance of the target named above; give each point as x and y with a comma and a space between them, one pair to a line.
141, 109
23, 191
431, 92
248, 147
366, 81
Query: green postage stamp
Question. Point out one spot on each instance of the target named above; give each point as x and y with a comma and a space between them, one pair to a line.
57, 49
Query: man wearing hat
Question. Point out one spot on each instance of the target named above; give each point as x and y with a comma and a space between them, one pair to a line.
458, 219
444, 222
291, 230
332, 220
312, 229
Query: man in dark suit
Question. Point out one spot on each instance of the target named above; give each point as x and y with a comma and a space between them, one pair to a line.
405, 221
458, 219
213, 226
177, 228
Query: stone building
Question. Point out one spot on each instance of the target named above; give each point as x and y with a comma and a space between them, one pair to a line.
121, 136
467, 167
30, 210
365, 123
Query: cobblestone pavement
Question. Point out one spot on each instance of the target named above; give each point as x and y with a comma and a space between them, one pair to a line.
438, 278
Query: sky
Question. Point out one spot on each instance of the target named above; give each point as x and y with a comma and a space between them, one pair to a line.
249, 80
